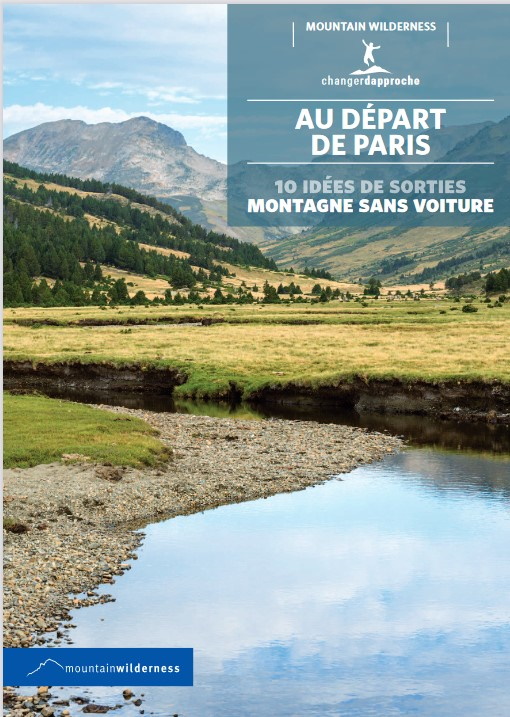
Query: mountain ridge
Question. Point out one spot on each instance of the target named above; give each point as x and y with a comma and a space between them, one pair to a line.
141, 153
155, 159
419, 253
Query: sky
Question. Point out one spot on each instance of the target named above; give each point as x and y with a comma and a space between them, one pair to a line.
108, 63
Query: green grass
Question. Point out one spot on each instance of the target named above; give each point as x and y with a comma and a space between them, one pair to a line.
41, 430
12, 525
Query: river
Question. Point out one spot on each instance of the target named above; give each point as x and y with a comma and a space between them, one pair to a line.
384, 594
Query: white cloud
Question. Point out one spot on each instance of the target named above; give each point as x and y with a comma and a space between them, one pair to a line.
136, 45
105, 86
158, 94
165, 61
180, 95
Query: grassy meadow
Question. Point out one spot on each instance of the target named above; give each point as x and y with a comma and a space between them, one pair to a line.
272, 345
42, 430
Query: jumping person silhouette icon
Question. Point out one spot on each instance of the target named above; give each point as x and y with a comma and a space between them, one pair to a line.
369, 56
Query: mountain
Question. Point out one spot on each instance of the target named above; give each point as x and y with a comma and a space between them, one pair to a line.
138, 153
420, 253
449, 137
371, 71
147, 156
155, 159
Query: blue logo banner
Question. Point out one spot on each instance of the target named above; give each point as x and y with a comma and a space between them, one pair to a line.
368, 115
91, 666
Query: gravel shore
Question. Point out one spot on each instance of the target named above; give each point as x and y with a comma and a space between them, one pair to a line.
75, 521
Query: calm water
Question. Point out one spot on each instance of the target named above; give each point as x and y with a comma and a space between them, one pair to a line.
381, 595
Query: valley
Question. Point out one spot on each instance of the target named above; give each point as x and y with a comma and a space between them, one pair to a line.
282, 448
155, 159
108, 287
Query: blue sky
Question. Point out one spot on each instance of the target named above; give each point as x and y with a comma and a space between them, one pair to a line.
108, 63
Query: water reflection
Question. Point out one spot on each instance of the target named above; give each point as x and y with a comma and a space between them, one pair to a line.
460, 473
418, 430
384, 594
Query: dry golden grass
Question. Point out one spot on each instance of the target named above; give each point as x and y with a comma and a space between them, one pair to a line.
439, 288
67, 217
265, 350
92, 220
404, 311
100, 222
165, 252
151, 287
255, 276
34, 185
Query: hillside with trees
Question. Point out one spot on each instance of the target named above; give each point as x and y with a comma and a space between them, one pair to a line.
63, 234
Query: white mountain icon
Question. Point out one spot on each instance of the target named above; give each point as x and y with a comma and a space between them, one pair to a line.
370, 71
43, 664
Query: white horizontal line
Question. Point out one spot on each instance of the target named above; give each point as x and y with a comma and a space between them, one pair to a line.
368, 100
396, 164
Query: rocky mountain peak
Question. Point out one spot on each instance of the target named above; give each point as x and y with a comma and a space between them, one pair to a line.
139, 152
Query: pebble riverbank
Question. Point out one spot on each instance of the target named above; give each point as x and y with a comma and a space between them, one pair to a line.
75, 521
